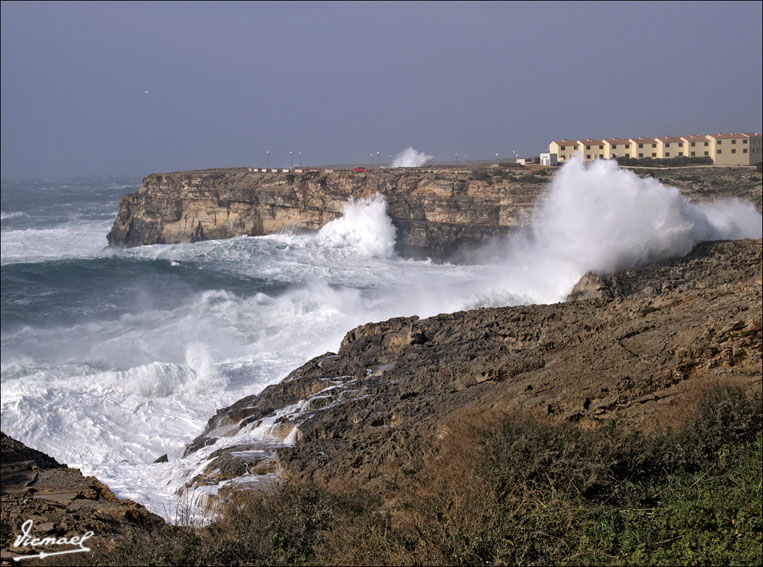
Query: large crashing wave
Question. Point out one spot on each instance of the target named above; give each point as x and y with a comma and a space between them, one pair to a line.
364, 228
602, 218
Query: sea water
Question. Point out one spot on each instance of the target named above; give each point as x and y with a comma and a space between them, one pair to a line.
112, 357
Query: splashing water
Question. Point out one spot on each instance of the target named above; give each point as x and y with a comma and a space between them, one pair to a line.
410, 157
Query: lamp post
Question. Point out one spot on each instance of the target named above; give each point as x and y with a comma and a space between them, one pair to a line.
291, 159
377, 159
268, 154
496, 160
300, 159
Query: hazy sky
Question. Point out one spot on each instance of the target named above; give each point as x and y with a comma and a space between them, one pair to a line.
339, 81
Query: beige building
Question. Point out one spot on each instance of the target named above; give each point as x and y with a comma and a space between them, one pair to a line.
755, 149
697, 146
670, 147
643, 148
618, 147
730, 149
564, 149
593, 149
723, 149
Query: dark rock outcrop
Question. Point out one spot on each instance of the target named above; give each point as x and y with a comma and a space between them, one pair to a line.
633, 345
61, 502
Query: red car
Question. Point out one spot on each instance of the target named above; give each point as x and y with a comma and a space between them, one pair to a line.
361, 169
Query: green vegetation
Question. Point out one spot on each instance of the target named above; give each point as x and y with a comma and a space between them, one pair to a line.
515, 491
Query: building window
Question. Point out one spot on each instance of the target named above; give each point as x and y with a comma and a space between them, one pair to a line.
588, 156
641, 146
733, 141
680, 153
654, 145
563, 147
692, 144
707, 153
667, 144
692, 154
720, 142
601, 147
744, 141
588, 147
641, 155
706, 143
654, 154
601, 156
733, 151
718, 151
744, 151
667, 154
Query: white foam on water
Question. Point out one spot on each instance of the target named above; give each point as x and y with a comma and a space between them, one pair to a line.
84, 239
11, 215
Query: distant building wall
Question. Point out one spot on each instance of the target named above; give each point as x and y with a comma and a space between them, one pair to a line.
564, 149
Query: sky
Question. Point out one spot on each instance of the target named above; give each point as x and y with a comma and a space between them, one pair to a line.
340, 81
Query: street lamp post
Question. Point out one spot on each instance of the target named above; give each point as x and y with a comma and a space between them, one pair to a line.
300, 159
291, 159
268, 154
497, 162
377, 159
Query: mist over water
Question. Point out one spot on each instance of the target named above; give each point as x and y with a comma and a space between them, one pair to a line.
111, 358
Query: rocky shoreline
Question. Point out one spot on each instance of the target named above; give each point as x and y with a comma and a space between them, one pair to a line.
438, 213
631, 345
635, 345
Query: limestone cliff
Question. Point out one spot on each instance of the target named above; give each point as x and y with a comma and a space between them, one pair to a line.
436, 212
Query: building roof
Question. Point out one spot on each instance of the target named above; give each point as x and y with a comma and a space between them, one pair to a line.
751, 134
720, 136
566, 142
695, 138
618, 140
650, 140
591, 141
670, 139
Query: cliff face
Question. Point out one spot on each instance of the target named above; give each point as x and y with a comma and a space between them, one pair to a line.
437, 213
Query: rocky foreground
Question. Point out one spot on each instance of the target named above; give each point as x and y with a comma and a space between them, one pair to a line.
61, 503
439, 213
636, 345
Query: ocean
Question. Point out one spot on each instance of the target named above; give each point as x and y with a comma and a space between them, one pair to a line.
113, 357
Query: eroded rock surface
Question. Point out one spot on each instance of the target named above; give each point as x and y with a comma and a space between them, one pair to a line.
61, 502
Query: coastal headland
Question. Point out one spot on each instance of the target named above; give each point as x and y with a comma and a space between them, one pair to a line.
440, 213
635, 346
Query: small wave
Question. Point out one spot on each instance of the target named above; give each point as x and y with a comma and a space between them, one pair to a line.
11, 215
